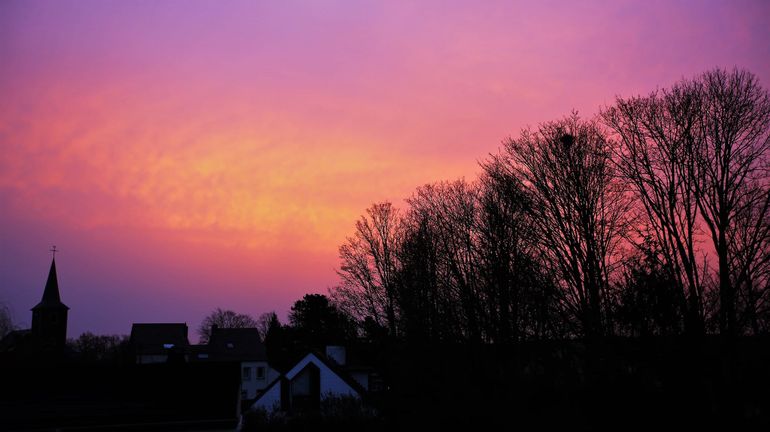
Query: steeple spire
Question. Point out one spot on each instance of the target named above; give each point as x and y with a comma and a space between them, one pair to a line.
51, 298
49, 317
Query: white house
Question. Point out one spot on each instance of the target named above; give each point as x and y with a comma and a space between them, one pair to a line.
312, 379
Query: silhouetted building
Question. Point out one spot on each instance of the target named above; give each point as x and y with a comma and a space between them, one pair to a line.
242, 346
49, 317
159, 342
49, 326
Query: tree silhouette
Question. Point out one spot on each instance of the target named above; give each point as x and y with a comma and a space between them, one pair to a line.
316, 322
648, 303
265, 322
577, 230
656, 158
368, 270
6, 323
733, 159
698, 153
93, 347
224, 319
578, 209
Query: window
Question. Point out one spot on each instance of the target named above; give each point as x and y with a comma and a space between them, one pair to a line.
168, 346
247, 373
260, 372
230, 345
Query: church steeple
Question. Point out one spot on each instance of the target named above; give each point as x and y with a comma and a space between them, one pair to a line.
51, 298
49, 317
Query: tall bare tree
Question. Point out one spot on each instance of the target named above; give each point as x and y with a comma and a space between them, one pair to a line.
508, 255
656, 137
368, 271
749, 242
733, 152
451, 209
422, 307
577, 209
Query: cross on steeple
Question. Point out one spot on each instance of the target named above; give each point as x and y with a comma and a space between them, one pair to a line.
54, 250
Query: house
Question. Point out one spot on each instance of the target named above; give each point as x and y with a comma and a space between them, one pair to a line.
312, 379
243, 346
365, 376
159, 342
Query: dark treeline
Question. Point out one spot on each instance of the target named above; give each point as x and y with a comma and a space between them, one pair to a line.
653, 218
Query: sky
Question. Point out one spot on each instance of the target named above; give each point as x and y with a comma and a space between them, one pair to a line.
189, 155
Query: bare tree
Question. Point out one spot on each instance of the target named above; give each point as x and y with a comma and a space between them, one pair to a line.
264, 322
368, 271
422, 308
733, 150
577, 206
655, 157
451, 209
749, 243
224, 319
93, 347
519, 295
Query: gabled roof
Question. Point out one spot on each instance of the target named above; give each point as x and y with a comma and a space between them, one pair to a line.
158, 337
236, 344
51, 298
333, 367
313, 358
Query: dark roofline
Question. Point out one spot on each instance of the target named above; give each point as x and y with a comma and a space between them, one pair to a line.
158, 324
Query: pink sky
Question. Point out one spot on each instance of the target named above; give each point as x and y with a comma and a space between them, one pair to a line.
188, 155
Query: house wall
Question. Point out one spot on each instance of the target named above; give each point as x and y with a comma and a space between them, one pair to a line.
253, 385
151, 358
271, 400
331, 383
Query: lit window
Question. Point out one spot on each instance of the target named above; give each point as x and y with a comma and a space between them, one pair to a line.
247, 373
230, 345
168, 346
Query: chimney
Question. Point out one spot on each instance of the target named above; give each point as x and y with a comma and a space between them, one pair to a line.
336, 353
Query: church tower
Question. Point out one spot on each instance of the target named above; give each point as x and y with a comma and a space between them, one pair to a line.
49, 317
